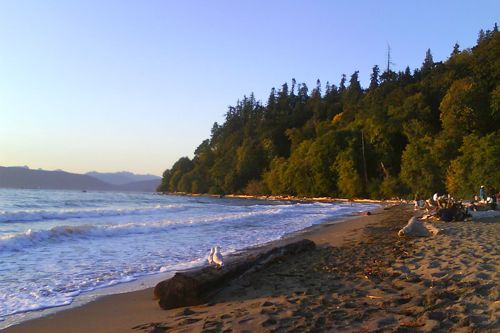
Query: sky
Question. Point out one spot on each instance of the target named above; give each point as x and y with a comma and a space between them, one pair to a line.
135, 85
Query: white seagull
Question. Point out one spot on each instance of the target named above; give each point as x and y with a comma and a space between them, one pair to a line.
217, 257
211, 256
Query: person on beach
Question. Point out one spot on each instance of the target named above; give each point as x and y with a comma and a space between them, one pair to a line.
442, 200
492, 199
482, 193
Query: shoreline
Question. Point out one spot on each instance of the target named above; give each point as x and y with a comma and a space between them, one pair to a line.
147, 282
360, 278
281, 198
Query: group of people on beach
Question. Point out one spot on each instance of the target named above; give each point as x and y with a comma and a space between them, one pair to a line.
445, 208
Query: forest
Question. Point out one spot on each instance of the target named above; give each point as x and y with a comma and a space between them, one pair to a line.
409, 134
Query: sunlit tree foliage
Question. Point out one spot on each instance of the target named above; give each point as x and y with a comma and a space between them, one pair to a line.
408, 134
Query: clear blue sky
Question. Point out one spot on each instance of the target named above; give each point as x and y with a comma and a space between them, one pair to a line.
134, 85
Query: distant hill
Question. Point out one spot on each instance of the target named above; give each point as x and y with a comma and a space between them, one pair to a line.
141, 186
121, 178
20, 177
23, 177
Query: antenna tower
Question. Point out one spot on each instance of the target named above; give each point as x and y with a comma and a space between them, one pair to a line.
389, 62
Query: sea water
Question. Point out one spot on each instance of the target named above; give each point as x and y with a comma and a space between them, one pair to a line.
56, 245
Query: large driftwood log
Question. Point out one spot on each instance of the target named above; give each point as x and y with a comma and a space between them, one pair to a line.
195, 286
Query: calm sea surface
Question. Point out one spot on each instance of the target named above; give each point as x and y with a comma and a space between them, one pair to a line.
56, 245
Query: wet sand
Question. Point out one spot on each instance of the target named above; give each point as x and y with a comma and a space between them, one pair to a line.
360, 278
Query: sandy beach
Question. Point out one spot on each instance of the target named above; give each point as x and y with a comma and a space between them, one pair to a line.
360, 278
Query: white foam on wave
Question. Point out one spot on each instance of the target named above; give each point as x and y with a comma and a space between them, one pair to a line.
32, 302
45, 299
22, 240
64, 214
40, 300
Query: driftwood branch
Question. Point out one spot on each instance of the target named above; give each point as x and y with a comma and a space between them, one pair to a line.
195, 286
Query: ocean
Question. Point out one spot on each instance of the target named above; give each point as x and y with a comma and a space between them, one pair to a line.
57, 245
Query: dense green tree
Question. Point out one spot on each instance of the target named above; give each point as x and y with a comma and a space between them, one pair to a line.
432, 129
349, 181
481, 36
420, 169
428, 64
477, 165
250, 162
458, 116
173, 176
275, 178
342, 86
374, 77
354, 91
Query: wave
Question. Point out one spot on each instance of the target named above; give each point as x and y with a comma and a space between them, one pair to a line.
29, 238
66, 214
34, 215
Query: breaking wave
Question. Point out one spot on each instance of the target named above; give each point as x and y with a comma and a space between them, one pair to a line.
29, 238
65, 214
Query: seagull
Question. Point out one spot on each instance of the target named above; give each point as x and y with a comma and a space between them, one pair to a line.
217, 258
211, 256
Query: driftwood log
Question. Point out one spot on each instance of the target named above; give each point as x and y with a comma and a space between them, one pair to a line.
194, 287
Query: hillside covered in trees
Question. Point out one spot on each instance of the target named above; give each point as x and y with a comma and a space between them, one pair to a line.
409, 133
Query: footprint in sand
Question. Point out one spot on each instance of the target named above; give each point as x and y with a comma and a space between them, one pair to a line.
487, 267
485, 289
386, 321
465, 261
242, 321
269, 322
212, 325
483, 276
457, 277
434, 264
439, 274
403, 269
185, 312
188, 321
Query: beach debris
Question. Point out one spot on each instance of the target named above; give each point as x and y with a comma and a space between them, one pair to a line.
454, 212
445, 208
362, 213
210, 258
217, 258
418, 204
484, 214
373, 297
418, 228
433, 229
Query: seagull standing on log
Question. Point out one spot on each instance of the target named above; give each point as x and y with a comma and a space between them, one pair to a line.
211, 256
217, 258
